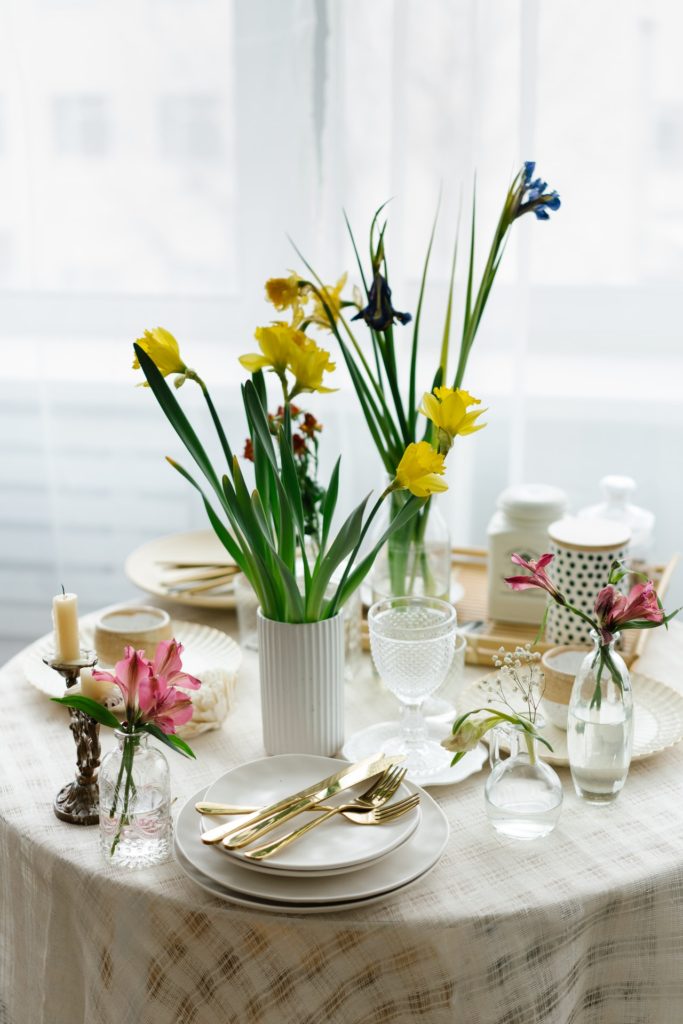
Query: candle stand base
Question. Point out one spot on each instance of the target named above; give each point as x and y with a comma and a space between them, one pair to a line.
79, 805
78, 802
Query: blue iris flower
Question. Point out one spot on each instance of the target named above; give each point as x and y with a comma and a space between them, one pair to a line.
379, 312
533, 196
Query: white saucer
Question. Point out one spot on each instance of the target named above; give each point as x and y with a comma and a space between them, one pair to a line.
314, 895
338, 845
657, 718
375, 737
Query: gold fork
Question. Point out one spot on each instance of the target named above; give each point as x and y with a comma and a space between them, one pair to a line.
355, 812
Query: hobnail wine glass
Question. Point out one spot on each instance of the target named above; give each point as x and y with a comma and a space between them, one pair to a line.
412, 640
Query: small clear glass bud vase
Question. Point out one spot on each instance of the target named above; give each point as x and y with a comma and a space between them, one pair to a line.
135, 803
600, 723
523, 794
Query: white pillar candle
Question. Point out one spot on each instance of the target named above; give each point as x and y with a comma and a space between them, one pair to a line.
97, 689
65, 618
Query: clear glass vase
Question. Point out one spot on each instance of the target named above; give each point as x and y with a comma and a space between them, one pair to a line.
523, 794
416, 560
135, 803
600, 724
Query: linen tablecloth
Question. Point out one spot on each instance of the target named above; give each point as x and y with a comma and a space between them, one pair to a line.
583, 927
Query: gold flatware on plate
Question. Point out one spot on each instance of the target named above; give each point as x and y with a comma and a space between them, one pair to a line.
379, 791
270, 817
195, 578
360, 812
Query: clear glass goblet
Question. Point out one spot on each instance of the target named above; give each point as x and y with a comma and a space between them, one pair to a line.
412, 640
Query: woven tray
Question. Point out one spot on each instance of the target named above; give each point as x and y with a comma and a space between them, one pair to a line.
485, 636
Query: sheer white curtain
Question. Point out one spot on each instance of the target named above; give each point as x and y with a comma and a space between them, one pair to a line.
154, 154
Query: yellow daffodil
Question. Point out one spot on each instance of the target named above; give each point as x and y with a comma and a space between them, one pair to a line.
285, 293
420, 470
333, 299
448, 411
308, 362
276, 343
163, 350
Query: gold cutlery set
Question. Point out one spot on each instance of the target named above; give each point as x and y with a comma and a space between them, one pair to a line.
191, 578
370, 808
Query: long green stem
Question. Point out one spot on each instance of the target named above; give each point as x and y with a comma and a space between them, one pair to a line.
363, 533
127, 758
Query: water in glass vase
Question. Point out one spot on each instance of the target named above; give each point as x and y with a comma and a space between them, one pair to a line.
145, 832
523, 795
600, 724
599, 746
135, 803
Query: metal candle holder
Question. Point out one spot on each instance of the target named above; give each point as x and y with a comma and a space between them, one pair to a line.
78, 802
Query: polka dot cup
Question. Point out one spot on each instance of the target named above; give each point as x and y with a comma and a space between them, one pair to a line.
584, 550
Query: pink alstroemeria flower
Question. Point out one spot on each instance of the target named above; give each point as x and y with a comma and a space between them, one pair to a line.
128, 675
614, 610
163, 705
167, 665
538, 576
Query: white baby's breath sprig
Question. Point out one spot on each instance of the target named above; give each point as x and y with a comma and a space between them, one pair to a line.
519, 680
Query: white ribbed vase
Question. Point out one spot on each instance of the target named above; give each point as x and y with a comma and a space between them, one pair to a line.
302, 685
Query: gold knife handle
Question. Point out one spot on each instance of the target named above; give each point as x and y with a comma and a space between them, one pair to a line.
261, 852
247, 835
221, 832
207, 807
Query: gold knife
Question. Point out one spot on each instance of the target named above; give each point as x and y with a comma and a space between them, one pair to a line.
269, 817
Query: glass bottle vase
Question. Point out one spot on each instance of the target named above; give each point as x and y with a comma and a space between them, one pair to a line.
135, 803
523, 794
416, 559
600, 724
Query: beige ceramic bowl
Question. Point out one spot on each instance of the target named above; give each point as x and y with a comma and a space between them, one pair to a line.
560, 665
141, 626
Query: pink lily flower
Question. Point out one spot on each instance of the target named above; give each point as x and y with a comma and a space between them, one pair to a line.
614, 610
162, 705
167, 665
538, 576
129, 674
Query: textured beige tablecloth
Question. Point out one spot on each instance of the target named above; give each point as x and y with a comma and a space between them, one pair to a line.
584, 927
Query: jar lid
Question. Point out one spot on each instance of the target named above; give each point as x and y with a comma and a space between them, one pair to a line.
533, 501
617, 488
589, 534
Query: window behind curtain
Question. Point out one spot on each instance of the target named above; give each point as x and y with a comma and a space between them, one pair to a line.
153, 156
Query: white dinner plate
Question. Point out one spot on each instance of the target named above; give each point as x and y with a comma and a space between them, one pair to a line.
206, 650
377, 737
337, 845
657, 718
223, 892
229, 880
146, 569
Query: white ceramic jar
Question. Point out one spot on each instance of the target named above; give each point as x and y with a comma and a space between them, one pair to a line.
520, 525
584, 550
617, 492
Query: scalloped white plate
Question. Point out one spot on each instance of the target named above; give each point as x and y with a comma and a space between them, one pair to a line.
657, 716
206, 650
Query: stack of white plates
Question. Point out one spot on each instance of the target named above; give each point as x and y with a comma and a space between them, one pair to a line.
337, 866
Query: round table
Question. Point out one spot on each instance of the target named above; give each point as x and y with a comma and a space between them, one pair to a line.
585, 926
